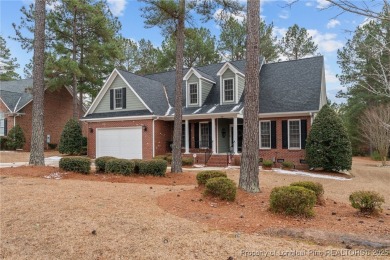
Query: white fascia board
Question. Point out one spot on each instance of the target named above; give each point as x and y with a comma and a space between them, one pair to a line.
286, 114
123, 118
226, 66
5, 105
197, 74
203, 116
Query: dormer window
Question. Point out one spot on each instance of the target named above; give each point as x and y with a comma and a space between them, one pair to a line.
228, 90
193, 90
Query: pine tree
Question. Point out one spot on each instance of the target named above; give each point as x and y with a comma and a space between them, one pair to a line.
71, 140
328, 145
7, 64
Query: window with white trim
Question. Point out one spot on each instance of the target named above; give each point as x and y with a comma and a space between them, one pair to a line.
193, 95
265, 134
118, 98
204, 135
294, 134
2, 125
228, 90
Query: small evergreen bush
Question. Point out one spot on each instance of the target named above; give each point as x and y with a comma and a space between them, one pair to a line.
160, 157
292, 200
187, 161
100, 163
375, 156
328, 145
120, 166
154, 167
71, 140
287, 165
75, 164
267, 164
136, 164
222, 188
367, 201
203, 176
314, 186
16, 139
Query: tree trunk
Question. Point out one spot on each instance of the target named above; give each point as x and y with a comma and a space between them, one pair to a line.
176, 152
249, 172
74, 58
37, 156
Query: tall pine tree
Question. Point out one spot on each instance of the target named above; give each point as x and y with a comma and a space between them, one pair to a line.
7, 63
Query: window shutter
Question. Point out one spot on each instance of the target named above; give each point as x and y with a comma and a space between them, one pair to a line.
189, 134
111, 99
303, 133
210, 139
284, 134
196, 135
273, 134
123, 97
5, 127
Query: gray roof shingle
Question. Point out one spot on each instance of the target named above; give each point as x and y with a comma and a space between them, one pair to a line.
16, 93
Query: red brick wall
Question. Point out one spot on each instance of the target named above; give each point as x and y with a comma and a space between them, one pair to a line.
163, 134
57, 111
286, 154
147, 147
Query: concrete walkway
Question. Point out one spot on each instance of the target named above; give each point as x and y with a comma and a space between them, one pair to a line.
49, 161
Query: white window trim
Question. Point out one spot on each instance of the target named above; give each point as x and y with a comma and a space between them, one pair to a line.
200, 134
115, 99
189, 93
260, 145
2, 118
223, 90
288, 134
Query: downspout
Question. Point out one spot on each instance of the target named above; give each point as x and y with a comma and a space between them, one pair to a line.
311, 118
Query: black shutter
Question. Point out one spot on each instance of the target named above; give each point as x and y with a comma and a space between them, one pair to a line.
196, 125
303, 133
111, 99
210, 139
183, 134
273, 134
189, 134
123, 97
284, 134
5, 127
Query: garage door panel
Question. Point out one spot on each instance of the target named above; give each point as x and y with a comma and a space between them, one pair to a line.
123, 143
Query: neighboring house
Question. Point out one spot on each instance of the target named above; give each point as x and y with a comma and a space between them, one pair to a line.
16, 108
132, 116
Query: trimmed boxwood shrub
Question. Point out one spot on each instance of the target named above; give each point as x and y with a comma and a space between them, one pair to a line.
136, 164
101, 162
287, 165
71, 139
268, 163
367, 201
314, 186
222, 188
160, 157
16, 139
292, 200
120, 166
75, 164
187, 161
203, 176
154, 167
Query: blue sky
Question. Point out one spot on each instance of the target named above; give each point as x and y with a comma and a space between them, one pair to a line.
328, 29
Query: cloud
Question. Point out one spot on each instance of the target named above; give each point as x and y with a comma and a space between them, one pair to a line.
220, 14
309, 4
321, 4
330, 76
332, 23
279, 32
326, 42
366, 21
284, 14
117, 7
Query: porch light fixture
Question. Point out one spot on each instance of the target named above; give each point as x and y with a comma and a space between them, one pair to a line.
90, 130
223, 132
144, 127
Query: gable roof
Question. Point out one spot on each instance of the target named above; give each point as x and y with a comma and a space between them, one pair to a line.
16, 94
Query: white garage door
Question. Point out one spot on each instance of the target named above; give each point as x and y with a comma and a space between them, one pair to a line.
123, 143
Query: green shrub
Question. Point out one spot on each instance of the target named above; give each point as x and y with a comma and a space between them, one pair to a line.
222, 188
100, 163
120, 166
187, 161
153, 167
376, 156
75, 164
287, 165
328, 145
366, 201
160, 157
16, 139
292, 200
168, 158
3, 142
314, 186
136, 164
268, 163
203, 176
52, 146
71, 140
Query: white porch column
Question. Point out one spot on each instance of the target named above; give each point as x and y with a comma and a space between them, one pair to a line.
235, 141
213, 136
187, 141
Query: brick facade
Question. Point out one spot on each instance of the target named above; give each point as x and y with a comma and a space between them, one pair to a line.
57, 110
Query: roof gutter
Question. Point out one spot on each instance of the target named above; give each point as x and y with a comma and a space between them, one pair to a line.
203, 116
287, 114
123, 118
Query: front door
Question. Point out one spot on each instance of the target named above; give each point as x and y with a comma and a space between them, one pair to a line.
239, 137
